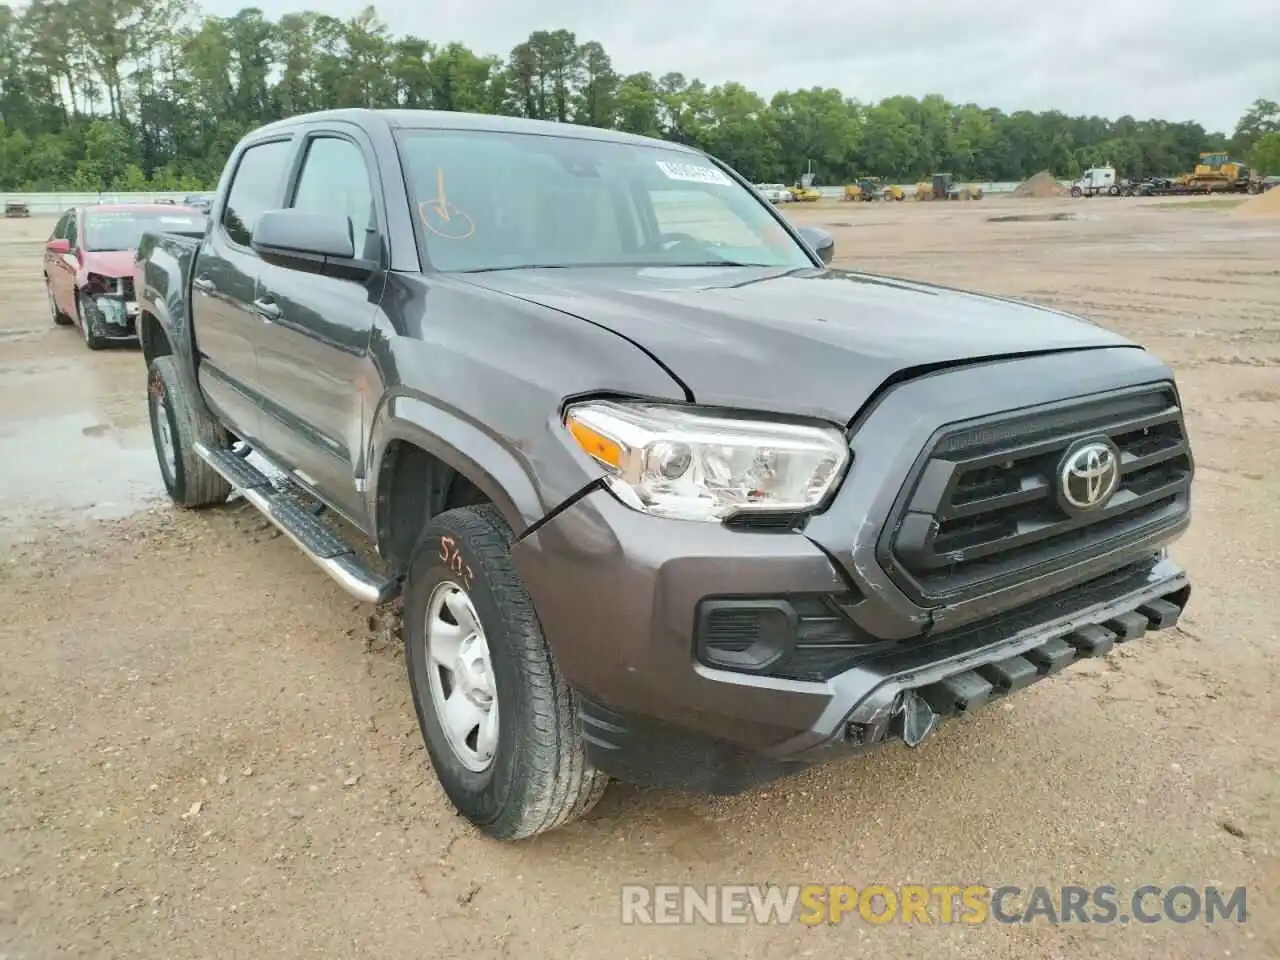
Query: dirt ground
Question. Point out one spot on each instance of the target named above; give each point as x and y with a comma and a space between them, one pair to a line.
206, 750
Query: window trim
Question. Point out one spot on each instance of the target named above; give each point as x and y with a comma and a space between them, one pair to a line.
299, 165
224, 233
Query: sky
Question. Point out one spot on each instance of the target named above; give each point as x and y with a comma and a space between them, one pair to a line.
1172, 59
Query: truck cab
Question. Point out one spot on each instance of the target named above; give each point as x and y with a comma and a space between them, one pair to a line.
666, 496
1095, 181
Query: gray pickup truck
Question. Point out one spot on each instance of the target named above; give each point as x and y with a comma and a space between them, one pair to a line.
666, 497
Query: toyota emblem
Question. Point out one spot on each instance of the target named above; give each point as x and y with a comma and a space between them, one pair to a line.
1088, 475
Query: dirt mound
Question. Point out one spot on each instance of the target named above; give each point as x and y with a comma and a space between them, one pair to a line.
1264, 205
1040, 187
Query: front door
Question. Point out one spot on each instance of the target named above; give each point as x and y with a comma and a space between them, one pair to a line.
224, 285
312, 348
61, 267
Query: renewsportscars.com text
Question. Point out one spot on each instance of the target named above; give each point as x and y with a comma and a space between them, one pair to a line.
814, 904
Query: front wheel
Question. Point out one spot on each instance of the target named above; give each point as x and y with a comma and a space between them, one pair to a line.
60, 319
499, 722
177, 424
87, 314
1076, 192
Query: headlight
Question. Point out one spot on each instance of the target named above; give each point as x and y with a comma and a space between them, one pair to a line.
96, 283
695, 465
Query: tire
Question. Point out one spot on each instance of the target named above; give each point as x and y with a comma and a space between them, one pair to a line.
86, 313
60, 319
1076, 192
536, 776
1113, 190
190, 481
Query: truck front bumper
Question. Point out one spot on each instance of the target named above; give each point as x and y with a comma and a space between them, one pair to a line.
622, 599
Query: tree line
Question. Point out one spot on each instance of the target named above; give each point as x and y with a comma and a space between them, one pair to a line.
149, 94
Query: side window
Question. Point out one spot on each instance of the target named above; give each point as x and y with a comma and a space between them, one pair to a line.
701, 215
255, 188
335, 176
73, 229
60, 228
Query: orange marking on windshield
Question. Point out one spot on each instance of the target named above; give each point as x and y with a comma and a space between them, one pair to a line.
442, 218
440, 198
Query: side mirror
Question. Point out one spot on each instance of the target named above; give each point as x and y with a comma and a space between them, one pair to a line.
59, 246
822, 243
320, 241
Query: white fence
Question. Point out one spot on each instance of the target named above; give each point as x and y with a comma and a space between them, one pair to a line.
55, 203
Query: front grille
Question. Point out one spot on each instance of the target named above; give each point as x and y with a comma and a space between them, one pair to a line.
983, 505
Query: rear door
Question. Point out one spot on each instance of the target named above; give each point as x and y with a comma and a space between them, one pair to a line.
312, 351
224, 286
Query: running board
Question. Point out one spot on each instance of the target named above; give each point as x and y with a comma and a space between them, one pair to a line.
310, 534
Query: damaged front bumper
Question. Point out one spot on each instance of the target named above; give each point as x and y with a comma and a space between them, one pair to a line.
671, 696
113, 314
907, 694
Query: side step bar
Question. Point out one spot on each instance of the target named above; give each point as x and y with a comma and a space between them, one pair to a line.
312, 536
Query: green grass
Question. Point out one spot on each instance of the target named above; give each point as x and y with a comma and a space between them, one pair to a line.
1222, 203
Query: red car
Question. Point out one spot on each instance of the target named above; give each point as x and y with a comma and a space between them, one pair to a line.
88, 265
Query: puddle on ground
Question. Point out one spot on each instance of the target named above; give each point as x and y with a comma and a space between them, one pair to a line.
74, 439
1033, 218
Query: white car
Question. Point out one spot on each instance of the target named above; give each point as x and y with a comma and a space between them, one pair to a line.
775, 192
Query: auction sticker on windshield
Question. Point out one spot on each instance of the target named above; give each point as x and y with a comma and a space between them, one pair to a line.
693, 173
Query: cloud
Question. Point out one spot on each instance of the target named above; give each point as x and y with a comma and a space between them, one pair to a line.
1173, 59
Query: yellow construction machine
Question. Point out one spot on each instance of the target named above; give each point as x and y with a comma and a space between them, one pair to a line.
1217, 172
866, 190
944, 187
805, 194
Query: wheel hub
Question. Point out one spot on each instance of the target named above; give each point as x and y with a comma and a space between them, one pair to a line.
460, 676
168, 452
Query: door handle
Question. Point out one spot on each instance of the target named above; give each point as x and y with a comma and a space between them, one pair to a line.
202, 283
269, 310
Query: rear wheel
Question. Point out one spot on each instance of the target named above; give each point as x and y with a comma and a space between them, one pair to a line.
499, 722
176, 426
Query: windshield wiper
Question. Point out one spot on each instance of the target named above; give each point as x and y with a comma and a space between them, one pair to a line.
715, 263
620, 263
526, 266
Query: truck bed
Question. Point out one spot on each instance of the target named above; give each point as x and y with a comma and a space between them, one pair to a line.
162, 271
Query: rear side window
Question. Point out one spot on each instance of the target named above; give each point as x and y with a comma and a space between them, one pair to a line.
335, 176
255, 188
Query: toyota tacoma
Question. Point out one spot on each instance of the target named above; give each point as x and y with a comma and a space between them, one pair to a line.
665, 496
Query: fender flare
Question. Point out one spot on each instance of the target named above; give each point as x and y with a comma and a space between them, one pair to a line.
487, 463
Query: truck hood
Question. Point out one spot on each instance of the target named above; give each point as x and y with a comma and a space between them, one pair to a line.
810, 342
109, 263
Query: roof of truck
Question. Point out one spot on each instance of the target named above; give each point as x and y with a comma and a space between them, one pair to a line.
453, 120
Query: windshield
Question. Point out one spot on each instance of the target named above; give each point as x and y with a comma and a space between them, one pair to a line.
489, 201
122, 229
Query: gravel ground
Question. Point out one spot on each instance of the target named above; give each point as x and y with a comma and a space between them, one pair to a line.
206, 750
